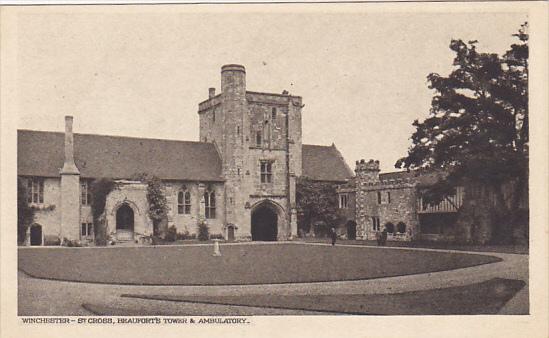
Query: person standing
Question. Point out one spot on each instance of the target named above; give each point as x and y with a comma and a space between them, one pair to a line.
334, 235
384, 237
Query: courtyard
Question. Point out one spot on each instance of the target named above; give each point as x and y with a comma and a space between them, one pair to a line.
269, 279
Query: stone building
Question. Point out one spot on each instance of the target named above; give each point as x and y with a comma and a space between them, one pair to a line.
239, 178
374, 201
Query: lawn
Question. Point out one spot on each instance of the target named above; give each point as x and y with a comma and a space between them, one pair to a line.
239, 264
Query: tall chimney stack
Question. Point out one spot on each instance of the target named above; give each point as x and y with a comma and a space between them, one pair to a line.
69, 167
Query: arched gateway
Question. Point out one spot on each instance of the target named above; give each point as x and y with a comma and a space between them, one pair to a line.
265, 220
124, 223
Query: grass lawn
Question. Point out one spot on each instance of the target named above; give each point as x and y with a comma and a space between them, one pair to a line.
513, 249
480, 298
239, 264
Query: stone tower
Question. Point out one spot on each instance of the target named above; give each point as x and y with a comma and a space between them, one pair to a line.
249, 130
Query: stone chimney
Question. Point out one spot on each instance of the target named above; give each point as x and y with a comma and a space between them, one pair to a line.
211, 92
70, 189
367, 171
68, 166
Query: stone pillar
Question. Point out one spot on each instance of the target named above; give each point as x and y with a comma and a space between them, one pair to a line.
70, 188
202, 209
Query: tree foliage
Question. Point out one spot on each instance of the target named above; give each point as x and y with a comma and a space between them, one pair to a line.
477, 129
25, 213
316, 202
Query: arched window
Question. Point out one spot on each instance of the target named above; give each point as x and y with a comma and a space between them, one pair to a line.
258, 138
184, 202
209, 203
390, 227
401, 227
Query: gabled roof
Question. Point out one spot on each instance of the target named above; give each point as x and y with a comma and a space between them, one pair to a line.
41, 154
324, 163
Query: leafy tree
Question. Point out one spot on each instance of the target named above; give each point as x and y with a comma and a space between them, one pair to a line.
25, 213
477, 129
316, 202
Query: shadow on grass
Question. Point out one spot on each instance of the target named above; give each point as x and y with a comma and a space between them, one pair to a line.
487, 297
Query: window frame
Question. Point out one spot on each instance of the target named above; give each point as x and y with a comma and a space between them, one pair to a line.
258, 138
343, 201
85, 194
35, 190
184, 202
86, 230
266, 171
209, 205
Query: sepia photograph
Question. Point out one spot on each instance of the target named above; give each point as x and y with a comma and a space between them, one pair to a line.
241, 163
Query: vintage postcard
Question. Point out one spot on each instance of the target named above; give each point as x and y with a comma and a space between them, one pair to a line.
370, 169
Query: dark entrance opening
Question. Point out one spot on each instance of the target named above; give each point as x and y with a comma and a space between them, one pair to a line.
264, 224
230, 233
124, 218
36, 234
351, 230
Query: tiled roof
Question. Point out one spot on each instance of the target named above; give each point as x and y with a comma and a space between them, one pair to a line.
324, 163
41, 154
421, 178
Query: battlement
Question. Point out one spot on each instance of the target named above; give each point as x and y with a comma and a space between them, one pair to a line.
362, 165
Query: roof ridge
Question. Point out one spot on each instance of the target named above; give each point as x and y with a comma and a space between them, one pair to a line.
115, 136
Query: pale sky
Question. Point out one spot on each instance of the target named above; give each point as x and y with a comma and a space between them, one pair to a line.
362, 75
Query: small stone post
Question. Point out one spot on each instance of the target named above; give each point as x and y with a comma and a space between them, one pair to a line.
217, 252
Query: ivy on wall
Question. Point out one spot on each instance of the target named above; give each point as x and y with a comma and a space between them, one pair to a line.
100, 189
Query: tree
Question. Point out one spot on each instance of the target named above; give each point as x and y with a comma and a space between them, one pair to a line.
477, 129
25, 213
316, 202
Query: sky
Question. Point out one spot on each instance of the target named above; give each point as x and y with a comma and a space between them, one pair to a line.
141, 73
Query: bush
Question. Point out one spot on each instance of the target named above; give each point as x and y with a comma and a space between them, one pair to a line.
216, 236
203, 231
71, 243
171, 234
185, 236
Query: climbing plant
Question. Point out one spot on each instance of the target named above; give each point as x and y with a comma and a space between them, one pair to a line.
100, 189
156, 199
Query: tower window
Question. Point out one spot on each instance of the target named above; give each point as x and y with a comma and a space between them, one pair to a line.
273, 113
343, 201
375, 223
266, 169
237, 130
388, 197
213, 115
258, 138
379, 197
209, 203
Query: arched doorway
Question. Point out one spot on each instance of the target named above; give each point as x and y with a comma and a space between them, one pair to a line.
230, 232
264, 223
351, 230
36, 234
124, 223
